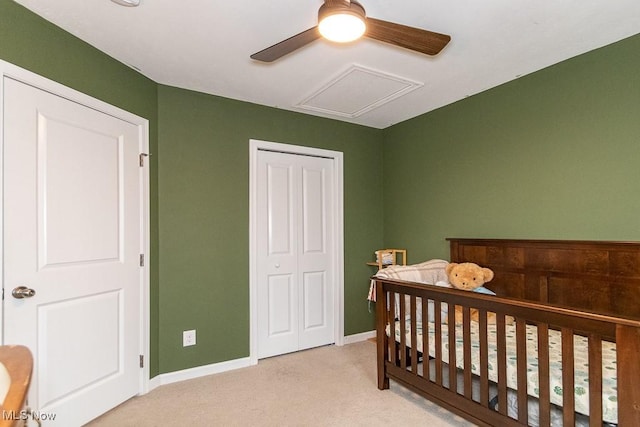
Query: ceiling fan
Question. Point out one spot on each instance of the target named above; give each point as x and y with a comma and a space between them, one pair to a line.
349, 17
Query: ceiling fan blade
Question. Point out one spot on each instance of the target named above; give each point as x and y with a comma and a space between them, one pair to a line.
279, 50
416, 39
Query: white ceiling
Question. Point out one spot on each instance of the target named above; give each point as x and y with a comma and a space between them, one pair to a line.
204, 45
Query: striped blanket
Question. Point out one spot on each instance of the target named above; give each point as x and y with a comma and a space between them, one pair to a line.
428, 272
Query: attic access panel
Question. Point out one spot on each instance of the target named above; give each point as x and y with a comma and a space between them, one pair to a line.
357, 91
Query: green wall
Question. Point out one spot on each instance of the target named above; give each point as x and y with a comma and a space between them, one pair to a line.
552, 155
204, 217
33, 43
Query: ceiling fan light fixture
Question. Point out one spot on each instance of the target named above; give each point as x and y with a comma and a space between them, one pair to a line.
341, 22
128, 3
338, 14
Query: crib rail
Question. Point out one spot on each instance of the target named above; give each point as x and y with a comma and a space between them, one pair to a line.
439, 378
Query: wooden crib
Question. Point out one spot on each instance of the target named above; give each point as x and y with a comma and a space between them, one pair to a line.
584, 295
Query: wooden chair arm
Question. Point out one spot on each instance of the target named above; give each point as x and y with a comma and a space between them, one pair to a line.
18, 362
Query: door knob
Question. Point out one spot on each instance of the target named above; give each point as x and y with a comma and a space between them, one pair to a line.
23, 292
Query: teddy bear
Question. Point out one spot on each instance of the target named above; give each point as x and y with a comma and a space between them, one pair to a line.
468, 276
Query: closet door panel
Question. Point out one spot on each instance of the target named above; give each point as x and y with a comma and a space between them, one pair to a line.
278, 293
315, 262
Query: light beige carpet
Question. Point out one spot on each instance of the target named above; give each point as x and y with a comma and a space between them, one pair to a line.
326, 386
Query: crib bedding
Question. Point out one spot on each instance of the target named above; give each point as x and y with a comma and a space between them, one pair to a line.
609, 393
533, 411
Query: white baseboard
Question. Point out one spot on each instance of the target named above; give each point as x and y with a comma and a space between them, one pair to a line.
199, 371
363, 336
153, 383
230, 365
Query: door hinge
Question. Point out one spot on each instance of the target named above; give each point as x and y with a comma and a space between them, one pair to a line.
141, 158
141, 260
142, 361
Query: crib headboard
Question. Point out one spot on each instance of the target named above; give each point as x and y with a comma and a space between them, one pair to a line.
598, 276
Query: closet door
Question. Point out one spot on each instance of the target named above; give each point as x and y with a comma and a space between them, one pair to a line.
295, 271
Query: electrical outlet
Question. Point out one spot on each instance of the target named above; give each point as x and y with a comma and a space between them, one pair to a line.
188, 338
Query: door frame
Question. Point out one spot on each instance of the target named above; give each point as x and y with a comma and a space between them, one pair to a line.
27, 77
338, 233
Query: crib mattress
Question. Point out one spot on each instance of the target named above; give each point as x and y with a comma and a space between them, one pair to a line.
609, 393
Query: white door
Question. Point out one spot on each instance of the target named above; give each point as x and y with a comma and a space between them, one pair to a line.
72, 233
294, 243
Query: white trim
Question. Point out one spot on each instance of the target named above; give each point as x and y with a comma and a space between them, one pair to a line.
154, 383
229, 365
362, 336
201, 371
254, 146
145, 273
47, 85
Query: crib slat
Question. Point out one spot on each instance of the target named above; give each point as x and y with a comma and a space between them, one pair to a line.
484, 358
595, 380
628, 348
451, 328
425, 339
414, 335
521, 356
403, 331
568, 379
543, 375
438, 324
381, 338
502, 364
466, 347
393, 348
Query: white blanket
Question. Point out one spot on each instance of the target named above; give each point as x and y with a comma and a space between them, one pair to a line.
430, 272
